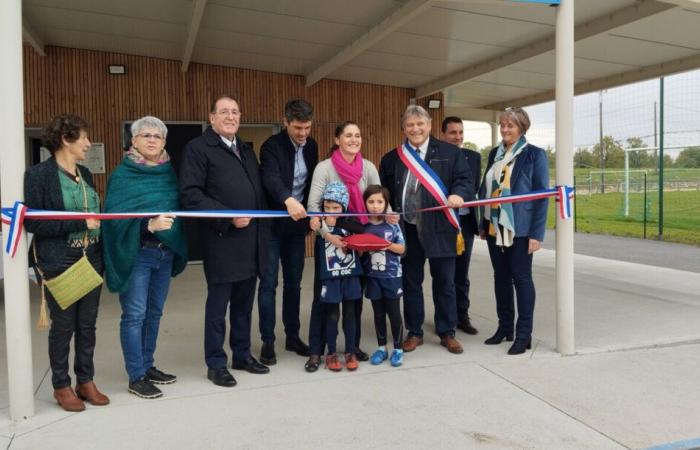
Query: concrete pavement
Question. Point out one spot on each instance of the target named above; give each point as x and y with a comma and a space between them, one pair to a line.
632, 383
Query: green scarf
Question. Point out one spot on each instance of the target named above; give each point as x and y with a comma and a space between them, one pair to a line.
139, 188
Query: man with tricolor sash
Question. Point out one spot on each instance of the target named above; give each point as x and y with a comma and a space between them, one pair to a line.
425, 172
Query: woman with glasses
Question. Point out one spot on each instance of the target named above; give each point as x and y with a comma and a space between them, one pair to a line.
142, 254
61, 184
514, 231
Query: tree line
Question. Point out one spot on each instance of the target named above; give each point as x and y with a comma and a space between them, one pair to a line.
614, 155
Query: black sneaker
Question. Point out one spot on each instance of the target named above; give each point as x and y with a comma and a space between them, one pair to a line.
144, 389
155, 376
360, 355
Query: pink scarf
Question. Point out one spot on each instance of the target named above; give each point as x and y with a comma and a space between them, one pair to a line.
351, 174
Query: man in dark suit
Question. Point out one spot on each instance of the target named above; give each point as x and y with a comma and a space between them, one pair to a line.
220, 171
287, 162
428, 235
453, 132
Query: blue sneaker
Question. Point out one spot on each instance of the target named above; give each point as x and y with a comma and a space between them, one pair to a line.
396, 357
379, 357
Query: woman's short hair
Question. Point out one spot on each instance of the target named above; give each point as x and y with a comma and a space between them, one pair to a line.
413, 111
63, 126
149, 122
377, 189
518, 116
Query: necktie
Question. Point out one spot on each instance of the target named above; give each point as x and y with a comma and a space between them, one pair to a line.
411, 202
235, 150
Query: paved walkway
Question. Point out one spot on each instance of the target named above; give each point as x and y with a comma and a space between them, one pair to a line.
632, 383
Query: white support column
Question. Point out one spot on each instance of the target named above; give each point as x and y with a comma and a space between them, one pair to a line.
17, 317
494, 134
565, 173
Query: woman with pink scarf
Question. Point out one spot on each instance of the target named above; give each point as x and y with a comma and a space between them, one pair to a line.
347, 166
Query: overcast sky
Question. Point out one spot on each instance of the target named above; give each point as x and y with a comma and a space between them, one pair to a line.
628, 111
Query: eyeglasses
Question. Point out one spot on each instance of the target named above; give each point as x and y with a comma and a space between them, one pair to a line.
228, 112
148, 136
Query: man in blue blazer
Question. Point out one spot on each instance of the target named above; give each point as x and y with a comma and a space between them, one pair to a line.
287, 163
428, 235
453, 132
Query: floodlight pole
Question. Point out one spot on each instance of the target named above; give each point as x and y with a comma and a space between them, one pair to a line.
17, 318
564, 94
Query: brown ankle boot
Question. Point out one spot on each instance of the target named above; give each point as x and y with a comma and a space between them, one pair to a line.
67, 399
88, 392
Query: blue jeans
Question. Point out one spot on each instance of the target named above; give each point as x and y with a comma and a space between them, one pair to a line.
142, 307
290, 251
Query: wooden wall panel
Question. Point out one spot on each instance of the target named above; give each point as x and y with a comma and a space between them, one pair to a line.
76, 81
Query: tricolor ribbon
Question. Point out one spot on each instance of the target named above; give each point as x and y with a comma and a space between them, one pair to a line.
428, 179
15, 216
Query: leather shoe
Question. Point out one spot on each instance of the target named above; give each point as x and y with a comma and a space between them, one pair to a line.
360, 355
295, 344
221, 377
267, 354
520, 345
498, 337
465, 325
313, 363
250, 365
451, 343
412, 342
89, 393
67, 399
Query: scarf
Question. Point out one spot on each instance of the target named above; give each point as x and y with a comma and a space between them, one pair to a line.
351, 174
136, 187
497, 182
138, 158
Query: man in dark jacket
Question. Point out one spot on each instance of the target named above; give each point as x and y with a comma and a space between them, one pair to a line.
428, 235
287, 162
220, 171
453, 133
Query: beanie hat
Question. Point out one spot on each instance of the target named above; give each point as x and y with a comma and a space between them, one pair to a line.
336, 192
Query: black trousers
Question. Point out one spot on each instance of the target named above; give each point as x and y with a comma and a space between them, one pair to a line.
462, 274
442, 271
388, 307
331, 311
238, 298
77, 322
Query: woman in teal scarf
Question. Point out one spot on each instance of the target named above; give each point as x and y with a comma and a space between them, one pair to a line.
142, 254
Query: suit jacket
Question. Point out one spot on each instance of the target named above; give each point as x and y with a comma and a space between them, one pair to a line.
470, 222
530, 173
277, 173
211, 178
437, 235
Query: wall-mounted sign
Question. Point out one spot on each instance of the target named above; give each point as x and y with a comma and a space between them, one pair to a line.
94, 160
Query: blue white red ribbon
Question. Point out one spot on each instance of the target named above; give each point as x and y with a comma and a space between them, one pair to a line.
15, 216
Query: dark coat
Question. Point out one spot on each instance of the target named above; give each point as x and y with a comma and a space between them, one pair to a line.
213, 178
42, 190
436, 234
530, 173
277, 173
470, 221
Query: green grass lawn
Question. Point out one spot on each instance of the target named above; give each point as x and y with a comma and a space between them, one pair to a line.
603, 214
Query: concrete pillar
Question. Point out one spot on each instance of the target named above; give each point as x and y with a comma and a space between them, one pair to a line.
494, 134
564, 93
12, 157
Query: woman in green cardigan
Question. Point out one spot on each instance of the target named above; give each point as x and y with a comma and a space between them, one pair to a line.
141, 255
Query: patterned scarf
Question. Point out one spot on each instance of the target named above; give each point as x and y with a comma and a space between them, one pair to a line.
502, 225
138, 158
351, 174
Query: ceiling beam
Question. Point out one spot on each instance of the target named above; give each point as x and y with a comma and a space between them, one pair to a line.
32, 38
475, 114
632, 76
385, 27
193, 30
599, 25
690, 4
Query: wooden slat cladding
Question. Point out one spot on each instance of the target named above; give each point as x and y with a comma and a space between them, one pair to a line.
76, 81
